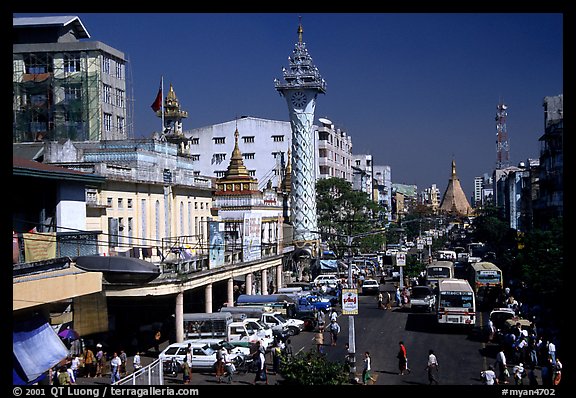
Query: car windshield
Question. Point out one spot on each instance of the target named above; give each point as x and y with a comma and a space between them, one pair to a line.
280, 318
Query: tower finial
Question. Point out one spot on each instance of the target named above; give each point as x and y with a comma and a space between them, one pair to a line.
300, 30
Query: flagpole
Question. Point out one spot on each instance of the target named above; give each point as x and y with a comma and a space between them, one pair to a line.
162, 103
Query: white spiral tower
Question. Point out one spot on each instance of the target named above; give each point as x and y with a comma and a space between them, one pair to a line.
301, 86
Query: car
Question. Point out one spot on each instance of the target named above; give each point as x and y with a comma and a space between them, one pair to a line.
499, 316
370, 286
422, 298
203, 356
326, 279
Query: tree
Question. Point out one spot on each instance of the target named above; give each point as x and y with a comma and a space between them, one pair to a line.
313, 369
343, 211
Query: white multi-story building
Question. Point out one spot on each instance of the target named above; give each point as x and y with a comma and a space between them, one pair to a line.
265, 145
362, 178
334, 151
383, 181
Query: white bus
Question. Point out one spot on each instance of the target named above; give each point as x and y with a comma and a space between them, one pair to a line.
456, 304
437, 271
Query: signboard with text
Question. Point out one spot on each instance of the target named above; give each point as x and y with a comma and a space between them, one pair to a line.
400, 259
349, 302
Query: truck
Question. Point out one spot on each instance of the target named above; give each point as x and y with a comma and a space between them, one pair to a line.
281, 327
284, 304
199, 325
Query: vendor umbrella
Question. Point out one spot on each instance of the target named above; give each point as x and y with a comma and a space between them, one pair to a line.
69, 334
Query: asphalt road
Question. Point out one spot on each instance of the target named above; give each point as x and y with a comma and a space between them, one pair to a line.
461, 354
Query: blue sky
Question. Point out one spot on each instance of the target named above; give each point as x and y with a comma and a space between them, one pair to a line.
415, 90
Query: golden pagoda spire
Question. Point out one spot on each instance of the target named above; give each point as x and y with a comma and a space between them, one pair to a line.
300, 30
453, 169
236, 167
287, 183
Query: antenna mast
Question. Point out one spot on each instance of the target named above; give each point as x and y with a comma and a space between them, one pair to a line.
502, 145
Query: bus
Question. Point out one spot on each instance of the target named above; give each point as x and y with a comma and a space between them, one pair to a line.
438, 271
486, 281
456, 304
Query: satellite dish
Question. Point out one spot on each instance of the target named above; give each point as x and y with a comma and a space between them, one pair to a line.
325, 121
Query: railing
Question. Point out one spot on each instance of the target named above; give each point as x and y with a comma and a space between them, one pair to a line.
68, 244
151, 375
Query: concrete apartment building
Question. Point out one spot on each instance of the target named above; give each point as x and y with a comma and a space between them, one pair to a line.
265, 145
66, 87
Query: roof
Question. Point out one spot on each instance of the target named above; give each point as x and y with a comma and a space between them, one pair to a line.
30, 168
63, 20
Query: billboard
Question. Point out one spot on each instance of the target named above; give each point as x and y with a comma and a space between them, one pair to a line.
251, 241
216, 247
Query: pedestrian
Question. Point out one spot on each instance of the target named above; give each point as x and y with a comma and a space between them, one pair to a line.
557, 372
75, 365
137, 363
89, 362
518, 374
63, 376
123, 359
229, 367
288, 350
71, 374
502, 366
276, 357
367, 370
380, 301
220, 368
100, 360
333, 315
319, 341
489, 376
432, 368
334, 330
185, 372
388, 301
261, 375
402, 359
398, 297
320, 320
115, 364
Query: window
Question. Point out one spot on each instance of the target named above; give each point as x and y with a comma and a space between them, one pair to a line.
129, 203
106, 93
194, 141
218, 158
109, 202
219, 140
219, 173
252, 173
120, 98
120, 124
106, 65
119, 70
248, 155
38, 63
72, 92
276, 154
120, 203
195, 157
278, 138
196, 173
71, 63
107, 122
201, 205
248, 140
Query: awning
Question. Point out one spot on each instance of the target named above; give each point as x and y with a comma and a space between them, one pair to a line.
36, 349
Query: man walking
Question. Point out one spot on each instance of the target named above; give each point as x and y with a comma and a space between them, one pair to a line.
432, 368
334, 330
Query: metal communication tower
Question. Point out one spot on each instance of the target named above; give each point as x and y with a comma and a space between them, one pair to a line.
502, 145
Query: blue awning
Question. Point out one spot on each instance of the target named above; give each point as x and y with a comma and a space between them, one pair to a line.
36, 349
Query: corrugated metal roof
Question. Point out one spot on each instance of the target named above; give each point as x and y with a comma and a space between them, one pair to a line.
53, 21
27, 167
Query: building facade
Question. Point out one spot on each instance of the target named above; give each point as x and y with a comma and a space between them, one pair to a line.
65, 87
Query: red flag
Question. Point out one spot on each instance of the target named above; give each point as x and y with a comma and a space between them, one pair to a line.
157, 104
